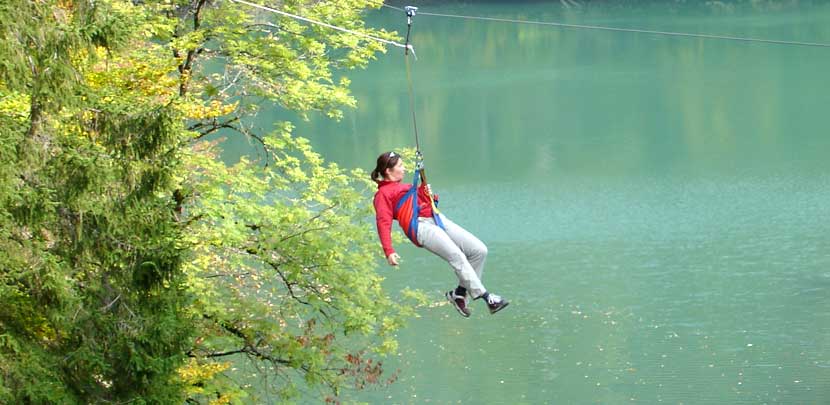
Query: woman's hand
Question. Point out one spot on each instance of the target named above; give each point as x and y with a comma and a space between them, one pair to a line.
393, 259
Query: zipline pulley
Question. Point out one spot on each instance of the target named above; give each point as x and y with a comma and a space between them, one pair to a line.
410, 12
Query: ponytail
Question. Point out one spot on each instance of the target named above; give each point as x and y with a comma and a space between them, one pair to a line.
386, 160
376, 176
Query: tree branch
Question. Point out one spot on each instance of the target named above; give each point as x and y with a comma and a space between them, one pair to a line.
221, 354
214, 126
227, 275
186, 67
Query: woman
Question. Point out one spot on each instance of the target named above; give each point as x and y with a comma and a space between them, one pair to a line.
463, 251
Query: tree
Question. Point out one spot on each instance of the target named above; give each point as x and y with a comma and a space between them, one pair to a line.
283, 240
91, 261
131, 250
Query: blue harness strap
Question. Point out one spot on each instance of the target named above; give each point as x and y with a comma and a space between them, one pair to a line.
407, 211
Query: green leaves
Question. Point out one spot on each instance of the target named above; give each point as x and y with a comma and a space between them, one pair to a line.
139, 261
91, 265
291, 258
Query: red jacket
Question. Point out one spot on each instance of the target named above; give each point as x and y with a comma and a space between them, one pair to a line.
386, 198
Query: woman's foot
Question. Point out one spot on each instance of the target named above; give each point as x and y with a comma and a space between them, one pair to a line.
494, 302
459, 302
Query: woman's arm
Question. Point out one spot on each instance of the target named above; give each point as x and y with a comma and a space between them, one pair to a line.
383, 218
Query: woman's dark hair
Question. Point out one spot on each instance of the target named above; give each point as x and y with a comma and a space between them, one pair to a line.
386, 160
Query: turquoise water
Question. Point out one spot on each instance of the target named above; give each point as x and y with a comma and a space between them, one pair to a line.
656, 208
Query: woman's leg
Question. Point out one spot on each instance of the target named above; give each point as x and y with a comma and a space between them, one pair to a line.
439, 242
473, 248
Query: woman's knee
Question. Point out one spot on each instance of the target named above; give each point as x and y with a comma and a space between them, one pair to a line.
479, 250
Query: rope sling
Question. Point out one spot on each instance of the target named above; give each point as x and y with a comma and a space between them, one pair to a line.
407, 210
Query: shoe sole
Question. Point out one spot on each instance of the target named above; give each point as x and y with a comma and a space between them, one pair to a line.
493, 311
452, 301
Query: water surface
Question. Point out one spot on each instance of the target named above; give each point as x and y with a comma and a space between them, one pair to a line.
656, 207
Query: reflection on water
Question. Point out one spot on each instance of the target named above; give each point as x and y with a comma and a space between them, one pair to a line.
655, 207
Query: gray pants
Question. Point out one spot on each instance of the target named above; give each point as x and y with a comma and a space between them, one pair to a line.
461, 249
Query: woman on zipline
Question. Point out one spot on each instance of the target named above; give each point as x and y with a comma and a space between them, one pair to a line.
426, 228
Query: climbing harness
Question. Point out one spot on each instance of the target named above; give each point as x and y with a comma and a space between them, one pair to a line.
407, 209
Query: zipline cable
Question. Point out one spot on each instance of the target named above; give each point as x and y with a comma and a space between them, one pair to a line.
308, 20
408, 48
631, 30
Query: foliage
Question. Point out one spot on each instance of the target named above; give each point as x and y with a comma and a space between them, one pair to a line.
284, 266
91, 264
297, 286
136, 265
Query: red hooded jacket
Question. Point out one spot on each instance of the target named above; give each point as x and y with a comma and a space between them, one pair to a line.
386, 198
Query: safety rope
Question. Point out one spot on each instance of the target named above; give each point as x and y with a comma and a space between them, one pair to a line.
419, 157
631, 30
308, 20
410, 12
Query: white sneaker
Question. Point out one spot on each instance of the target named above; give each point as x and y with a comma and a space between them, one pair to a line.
496, 303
